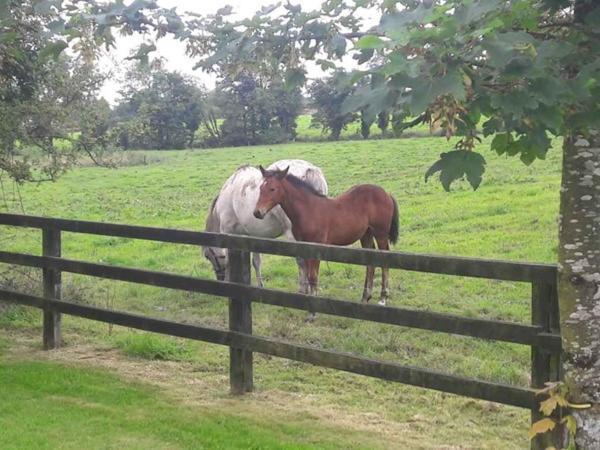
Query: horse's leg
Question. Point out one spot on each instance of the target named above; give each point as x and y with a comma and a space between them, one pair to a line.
302, 274
384, 244
312, 272
256, 262
367, 242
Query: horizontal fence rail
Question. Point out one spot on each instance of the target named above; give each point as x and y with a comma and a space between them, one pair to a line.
448, 265
542, 335
481, 328
496, 392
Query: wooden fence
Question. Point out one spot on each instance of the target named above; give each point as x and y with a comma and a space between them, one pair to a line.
542, 335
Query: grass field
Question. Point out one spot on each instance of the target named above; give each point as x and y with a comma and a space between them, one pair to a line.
511, 216
102, 408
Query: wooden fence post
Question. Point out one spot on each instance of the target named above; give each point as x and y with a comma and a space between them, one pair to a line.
240, 319
545, 366
52, 284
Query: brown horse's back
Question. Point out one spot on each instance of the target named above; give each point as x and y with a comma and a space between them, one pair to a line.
361, 209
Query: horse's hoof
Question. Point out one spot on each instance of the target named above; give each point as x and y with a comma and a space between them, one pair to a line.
310, 318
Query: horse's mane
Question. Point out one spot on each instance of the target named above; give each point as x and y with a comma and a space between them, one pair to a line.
297, 182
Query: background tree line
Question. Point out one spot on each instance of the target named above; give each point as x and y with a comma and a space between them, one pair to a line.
50, 111
159, 109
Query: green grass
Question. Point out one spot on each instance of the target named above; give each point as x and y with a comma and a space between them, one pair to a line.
3, 345
16, 315
511, 216
152, 346
47, 406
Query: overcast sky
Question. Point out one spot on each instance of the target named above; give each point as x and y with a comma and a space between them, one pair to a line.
174, 51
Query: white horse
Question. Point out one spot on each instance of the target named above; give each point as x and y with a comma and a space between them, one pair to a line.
232, 212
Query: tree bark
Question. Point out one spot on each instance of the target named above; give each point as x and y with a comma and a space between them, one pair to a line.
579, 280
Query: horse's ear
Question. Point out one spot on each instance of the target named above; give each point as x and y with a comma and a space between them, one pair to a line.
262, 170
282, 173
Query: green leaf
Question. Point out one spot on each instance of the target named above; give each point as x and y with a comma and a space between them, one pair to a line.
142, 52
56, 26
225, 11
337, 45
371, 101
43, 7
295, 78
592, 18
456, 165
370, 42
353, 77
425, 93
397, 32
474, 168
515, 103
501, 142
570, 423
329, 5
4, 9
549, 90
492, 126
356, 100
398, 63
502, 47
53, 50
471, 12
364, 55
395, 23
325, 64
318, 30
492, 25
268, 9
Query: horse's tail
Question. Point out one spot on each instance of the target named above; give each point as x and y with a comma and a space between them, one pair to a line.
395, 225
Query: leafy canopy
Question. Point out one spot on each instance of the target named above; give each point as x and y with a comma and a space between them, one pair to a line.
522, 70
255, 110
328, 97
158, 109
49, 112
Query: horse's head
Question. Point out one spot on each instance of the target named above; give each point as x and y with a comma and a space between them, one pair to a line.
218, 258
271, 191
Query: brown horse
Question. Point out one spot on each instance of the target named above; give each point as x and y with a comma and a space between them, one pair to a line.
365, 212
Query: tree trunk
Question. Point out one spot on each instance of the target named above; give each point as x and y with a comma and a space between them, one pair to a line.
579, 280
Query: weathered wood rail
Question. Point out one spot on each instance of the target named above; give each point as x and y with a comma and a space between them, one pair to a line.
542, 335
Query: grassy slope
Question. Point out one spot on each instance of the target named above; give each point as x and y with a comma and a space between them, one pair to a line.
512, 216
48, 406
